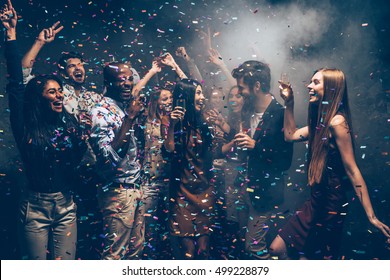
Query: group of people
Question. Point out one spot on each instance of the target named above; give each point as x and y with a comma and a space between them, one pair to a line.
170, 167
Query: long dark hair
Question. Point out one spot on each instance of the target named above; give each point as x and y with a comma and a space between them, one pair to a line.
39, 121
334, 101
186, 89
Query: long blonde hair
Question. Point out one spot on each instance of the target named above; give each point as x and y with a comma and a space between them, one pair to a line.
334, 101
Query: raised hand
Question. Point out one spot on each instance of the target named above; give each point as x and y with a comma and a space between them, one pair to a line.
8, 16
134, 108
215, 57
181, 52
177, 115
155, 67
286, 92
168, 60
48, 35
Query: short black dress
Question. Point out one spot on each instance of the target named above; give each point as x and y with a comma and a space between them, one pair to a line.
316, 229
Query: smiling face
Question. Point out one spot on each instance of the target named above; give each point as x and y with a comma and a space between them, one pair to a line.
123, 82
165, 101
236, 100
316, 88
216, 99
75, 71
243, 88
54, 96
199, 100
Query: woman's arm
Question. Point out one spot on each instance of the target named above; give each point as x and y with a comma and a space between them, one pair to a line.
291, 132
170, 61
341, 133
143, 82
194, 70
15, 87
216, 58
47, 35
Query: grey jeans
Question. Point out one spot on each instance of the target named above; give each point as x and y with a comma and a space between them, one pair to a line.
48, 224
123, 220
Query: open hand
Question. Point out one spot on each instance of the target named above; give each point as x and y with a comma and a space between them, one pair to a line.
382, 227
215, 57
286, 92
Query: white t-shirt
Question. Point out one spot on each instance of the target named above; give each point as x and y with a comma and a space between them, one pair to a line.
255, 120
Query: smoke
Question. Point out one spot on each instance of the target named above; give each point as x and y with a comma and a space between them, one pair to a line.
294, 37
266, 32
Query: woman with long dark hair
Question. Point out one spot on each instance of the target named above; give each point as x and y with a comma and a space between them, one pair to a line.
190, 143
315, 230
51, 144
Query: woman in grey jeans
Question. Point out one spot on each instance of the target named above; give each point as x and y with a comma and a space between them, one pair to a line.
51, 144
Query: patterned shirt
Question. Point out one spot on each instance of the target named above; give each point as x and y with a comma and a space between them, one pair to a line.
107, 118
155, 166
83, 103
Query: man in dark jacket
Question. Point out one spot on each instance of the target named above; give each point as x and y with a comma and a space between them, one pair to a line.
268, 154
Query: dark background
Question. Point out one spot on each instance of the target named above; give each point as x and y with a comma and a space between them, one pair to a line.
137, 31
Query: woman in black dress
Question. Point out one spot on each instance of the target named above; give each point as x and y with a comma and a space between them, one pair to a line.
315, 230
189, 141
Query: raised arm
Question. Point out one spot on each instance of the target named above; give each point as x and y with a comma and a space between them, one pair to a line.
15, 87
170, 61
194, 70
340, 131
291, 132
9, 19
144, 81
47, 35
206, 38
216, 58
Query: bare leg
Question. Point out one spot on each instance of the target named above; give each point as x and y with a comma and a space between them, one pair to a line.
203, 247
183, 247
278, 248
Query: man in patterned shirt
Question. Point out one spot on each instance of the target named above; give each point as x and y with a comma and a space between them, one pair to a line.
114, 139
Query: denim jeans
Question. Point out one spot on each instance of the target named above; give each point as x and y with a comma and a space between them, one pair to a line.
48, 224
156, 201
123, 222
